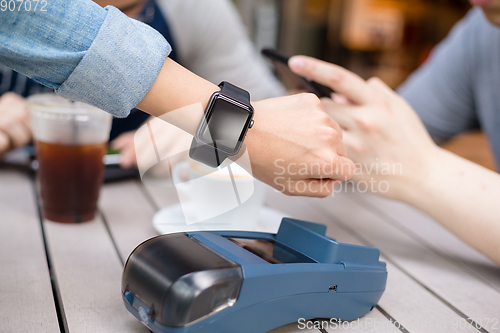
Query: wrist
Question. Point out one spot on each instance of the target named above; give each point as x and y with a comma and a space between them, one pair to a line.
254, 137
220, 135
252, 132
178, 96
418, 178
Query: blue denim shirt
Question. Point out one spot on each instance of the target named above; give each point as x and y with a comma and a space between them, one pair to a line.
87, 53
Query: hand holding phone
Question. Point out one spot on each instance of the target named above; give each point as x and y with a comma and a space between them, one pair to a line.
291, 80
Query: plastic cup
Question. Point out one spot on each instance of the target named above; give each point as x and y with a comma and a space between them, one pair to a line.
71, 141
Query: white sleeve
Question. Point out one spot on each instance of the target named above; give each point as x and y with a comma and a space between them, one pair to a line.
212, 42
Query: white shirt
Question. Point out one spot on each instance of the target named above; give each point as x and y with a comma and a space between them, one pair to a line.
212, 42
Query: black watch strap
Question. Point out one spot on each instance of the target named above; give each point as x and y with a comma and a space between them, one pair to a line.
233, 91
206, 154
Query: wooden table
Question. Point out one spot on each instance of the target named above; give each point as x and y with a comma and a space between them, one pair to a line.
58, 277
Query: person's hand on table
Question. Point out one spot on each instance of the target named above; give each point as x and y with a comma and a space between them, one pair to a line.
170, 141
125, 144
382, 133
15, 123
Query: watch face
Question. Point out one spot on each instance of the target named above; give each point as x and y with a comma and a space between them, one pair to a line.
226, 123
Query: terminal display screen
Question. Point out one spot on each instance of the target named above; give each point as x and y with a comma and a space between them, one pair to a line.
271, 252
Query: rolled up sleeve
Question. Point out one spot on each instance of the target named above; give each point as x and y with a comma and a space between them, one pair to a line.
87, 53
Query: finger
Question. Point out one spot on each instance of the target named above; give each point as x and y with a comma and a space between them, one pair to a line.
344, 169
344, 120
334, 124
341, 113
123, 140
117, 144
381, 87
344, 82
323, 189
19, 134
333, 141
125, 144
354, 145
339, 99
128, 159
16, 110
4, 142
341, 149
318, 188
26, 121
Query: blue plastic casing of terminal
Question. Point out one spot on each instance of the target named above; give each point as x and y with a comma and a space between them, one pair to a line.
319, 278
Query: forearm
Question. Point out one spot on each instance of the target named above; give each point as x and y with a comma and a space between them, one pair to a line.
288, 131
178, 96
463, 197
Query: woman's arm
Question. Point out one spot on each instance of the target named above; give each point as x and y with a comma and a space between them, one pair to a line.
292, 133
382, 133
212, 42
123, 63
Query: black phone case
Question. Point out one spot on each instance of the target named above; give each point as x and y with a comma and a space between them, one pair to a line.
309, 85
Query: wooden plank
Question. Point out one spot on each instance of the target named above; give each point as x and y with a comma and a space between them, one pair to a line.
88, 273
431, 234
456, 287
405, 300
162, 196
129, 214
417, 309
375, 321
27, 303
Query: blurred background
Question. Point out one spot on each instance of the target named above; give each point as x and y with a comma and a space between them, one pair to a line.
384, 38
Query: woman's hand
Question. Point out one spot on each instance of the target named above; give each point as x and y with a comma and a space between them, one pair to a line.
382, 133
296, 147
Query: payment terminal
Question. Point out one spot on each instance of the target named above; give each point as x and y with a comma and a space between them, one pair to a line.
249, 282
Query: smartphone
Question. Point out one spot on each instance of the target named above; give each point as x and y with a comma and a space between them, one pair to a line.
113, 171
291, 80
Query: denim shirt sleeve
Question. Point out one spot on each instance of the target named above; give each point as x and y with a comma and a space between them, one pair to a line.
87, 53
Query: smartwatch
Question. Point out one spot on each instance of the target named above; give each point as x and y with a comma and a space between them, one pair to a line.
223, 128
